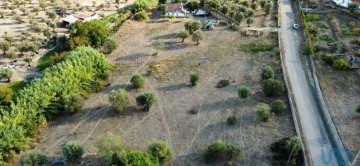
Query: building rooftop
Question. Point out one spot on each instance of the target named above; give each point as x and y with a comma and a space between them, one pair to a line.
83, 15
173, 6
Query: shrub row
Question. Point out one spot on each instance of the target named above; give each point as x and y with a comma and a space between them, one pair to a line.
308, 36
83, 71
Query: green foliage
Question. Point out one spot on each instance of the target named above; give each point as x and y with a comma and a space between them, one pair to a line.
357, 42
243, 92
192, 26
327, 39
267, 8
33, 158
240, 16
91, 31
234, 27
6, 95
353, 6
109, 18
327, 59
197, 36
137, 80
120, 19
4, 46
163, 7
136, 158
108, 145
6, 74
73, 103
51, 57
146, 100
341, 64
358, 109
250, 21
109, 46
141, 16
120, 99
221, 151
263, 112
312, 17
183, 34
161, 151
78, 73
73, 151
267, 73
145, 4
119, 158
77, 42
277, 106
273, 87
194, 78
192, 5
231, 120
288, 151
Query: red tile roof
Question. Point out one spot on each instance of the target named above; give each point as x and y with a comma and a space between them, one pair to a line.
173, 6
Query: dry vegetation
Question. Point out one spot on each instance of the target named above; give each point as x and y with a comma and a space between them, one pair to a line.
219, 56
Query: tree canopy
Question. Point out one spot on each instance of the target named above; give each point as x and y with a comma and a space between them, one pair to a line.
91, 31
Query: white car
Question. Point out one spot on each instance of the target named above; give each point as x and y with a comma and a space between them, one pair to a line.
296, 26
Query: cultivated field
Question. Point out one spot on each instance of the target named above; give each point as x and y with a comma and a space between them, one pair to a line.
221, 55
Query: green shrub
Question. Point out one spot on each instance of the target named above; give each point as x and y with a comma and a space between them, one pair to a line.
327, 39
73, 151
221, 151
192, 26
183, 34
267, 73
231, 120
109, 46
341, 64
358, 109
145, 4
33, 157
108, 145
357, 42
197, 36
277, 106
91, 31
137, 80
194, 78
120, 99
141, 16
234, 27
327, 59
161, 151
146, 100
73, 102
263, 112
6, 95
273, 87
119, 158
243, 92
141, 158
287, 151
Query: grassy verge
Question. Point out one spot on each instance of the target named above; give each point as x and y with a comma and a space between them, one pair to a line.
107, 19
44, 61
257, 47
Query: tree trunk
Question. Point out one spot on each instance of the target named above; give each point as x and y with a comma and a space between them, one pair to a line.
183, 40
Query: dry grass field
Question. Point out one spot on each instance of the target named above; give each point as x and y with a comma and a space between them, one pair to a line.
167, 67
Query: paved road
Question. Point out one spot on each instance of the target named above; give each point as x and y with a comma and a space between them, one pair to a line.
316, 137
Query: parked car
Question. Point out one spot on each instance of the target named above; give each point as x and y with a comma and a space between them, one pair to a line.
296, 26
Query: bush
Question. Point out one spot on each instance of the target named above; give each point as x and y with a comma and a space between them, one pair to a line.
197, 36
192, 5
108, 145
287, 151
234, 27
73, 151
120, 99
77, 41
358, 109
161, 151
109, 46
137, 80
183, 34
263, 112
221, 151
273, 87
141, 16
144, 4
73, 102
267, 73
192, 26
91, 31
142, 158
327, 59
33, 157
194, 78
231, 120
146, 100
277, 106
119, 158
243, 92
341, 64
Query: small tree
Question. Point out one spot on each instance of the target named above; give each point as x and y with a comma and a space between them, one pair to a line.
28, 61
47, 33
146, 100
277, 106
136, 157
120, 99
240, 16
109, 46
231, 120
73, 102
141, 16
6, 74
267, 8
220, 150
353, 6
2, 14
267, 73
73, 151
9, 39
160, 150
250, 21
4, 46
36, 10
33, 157
119, 158
263, 112
192, 26
183, 34
192, 5
108, 145
137, 80
254, 6
77, 41
197, 36
243, 92
341, 64
194, 78
273, 87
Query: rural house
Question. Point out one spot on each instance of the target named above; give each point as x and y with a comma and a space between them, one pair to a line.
80, 16
176, 9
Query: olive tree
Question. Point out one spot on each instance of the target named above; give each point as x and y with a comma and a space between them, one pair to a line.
73, 102
197, 36
183, 34
267, 73
161, 150
146, 100
4, 46
73, 151
194, 78
137, 80
6, 74
28, 61
263, 112
33, 157
273, 87
120, 99
243, 92
277, 106
192, 26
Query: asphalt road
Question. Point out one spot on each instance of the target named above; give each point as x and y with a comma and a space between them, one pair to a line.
316, 137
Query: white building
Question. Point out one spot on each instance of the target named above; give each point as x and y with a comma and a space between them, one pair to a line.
176, 9
80, 16
345, 3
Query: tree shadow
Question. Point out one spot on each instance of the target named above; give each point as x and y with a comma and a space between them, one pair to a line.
175, 45
130, 57
168, 36
175, 87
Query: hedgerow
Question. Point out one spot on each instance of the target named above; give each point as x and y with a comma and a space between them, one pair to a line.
81, 72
